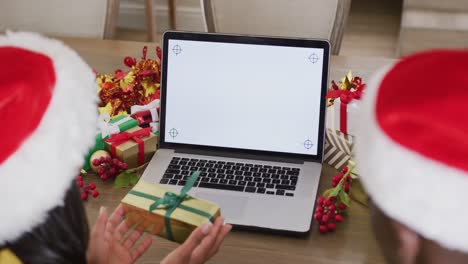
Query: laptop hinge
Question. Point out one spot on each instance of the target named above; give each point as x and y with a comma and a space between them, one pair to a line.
239, 155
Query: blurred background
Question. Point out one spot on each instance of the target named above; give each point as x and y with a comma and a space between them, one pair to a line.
383, 28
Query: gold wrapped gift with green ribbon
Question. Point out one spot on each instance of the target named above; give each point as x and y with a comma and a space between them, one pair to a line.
163, 212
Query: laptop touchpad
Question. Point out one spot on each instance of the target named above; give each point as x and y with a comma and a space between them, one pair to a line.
232, 207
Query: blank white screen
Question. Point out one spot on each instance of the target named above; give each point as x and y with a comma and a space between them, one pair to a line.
244, 96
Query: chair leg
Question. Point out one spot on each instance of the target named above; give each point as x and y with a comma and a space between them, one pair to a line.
172, 13
150, 20
112, 15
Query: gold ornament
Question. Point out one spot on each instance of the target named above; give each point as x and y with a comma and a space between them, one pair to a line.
97, 155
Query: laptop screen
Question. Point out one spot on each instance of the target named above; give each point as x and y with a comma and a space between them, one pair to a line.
244, 96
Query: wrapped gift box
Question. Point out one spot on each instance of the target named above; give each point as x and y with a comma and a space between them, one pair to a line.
135, 146
335, 115
338, 148
106, 128
115, 125
343, 102
147, 115
171, 222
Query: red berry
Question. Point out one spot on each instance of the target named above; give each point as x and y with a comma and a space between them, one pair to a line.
323, 229
112, 171
338, 218
102, 159
319, 209
124, 166
84, 196
332, 199
331, 214
80, 184
346, 188
95, 193
104, 176
320, 200
334, 184
331, 208
344, 170
327, 202
331, 226
318, 216
342, 206
79, 178
96, 162
108, 158
92, 186
325, 218
116, 162
100, 171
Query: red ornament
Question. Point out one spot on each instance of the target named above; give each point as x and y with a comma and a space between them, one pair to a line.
129, 61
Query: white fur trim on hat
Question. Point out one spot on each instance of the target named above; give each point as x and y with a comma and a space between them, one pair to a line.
407, 186
35, 178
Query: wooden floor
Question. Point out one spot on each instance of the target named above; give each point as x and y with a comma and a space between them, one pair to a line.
372, 29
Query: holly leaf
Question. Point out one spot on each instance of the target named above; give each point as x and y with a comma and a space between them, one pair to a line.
327, 192
344, 197
335, 191
122, 180
134, 177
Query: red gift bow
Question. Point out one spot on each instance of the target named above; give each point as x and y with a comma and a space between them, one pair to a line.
122, 137
346, 96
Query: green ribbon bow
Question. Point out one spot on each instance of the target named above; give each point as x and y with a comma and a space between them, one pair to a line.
172, 201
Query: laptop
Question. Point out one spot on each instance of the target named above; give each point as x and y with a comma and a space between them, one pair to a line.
248, 112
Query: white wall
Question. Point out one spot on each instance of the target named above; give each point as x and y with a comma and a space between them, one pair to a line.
189, 15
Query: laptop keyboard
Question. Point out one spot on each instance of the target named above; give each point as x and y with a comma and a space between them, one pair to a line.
241, 177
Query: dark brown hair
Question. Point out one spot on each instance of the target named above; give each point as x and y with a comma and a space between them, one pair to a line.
62, 238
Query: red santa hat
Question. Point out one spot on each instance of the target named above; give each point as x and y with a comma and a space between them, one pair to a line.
48, 112
412, 144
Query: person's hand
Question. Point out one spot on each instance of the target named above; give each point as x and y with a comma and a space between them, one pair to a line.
202, 244
108, 243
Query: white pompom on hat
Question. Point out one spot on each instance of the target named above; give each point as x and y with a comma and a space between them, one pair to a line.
412, 144
48, 114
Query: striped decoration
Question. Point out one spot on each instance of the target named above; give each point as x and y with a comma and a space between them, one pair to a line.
338, 148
